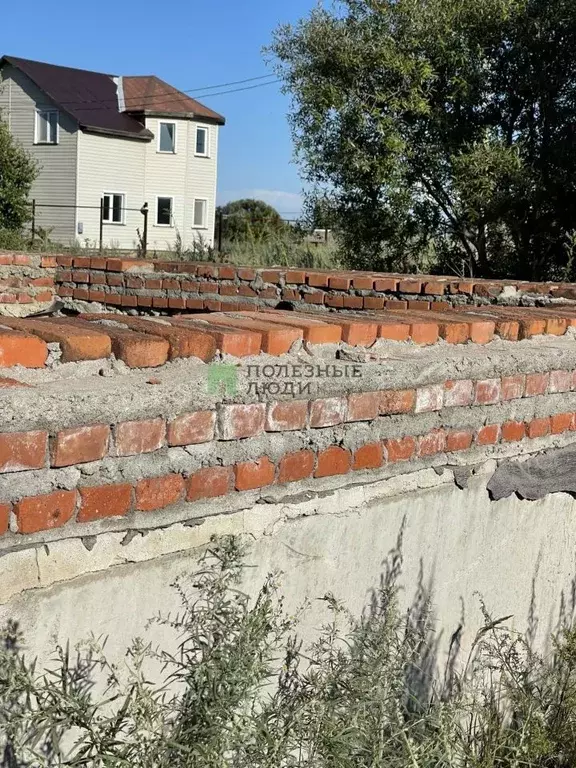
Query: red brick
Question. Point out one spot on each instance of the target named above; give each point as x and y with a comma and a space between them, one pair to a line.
429, 398
275, 339
393, 331
363, 283
20, 451
435, 288
373, 302
79, 276
238, 421
538, 428
353, 302
21, 349
296, 466
6, 381
184, 342
134, 437
159, 492
316, 331
209, 483
6, 259
560, 381
400, 450
419, 305
225, 290
254, 474
512, 387
230, 341
48, 262
4, 518
102, 501
537, 384
40, 513
115, 280
433, 443
369, 457
21, 260
327, 412
513, 431
43, 297
396, 305
295, 276
339, 282
488, 435
288, 294
206, 270
287, 416
317, 297
458, 441
333, 461
561, 422
397, 401
192, 428
410, 286
80, 445
317, 279
386, 284
458, 393
363, 406
487, 392
227, 273
271, 275
137, 350
76, 343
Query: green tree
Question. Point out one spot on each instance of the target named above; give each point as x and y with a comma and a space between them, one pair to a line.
17, 173
250, 220
440, 127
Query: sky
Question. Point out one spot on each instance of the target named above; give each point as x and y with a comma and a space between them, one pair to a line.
191, 45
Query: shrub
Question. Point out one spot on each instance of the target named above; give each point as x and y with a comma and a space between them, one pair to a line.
241, 692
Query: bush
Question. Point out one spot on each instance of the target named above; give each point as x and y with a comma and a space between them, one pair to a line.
240, 692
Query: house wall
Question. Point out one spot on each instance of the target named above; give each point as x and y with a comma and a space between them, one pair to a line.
185, 177
56, 182
110, 164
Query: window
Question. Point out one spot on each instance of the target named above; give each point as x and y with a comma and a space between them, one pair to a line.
200, 210
164, 212
113, 208
167, 137
202, 141
46, 131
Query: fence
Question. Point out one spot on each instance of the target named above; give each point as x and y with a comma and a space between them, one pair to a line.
103, 221
104, 208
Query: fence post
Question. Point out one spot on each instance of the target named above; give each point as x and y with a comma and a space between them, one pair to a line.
220, 219
101, 224
144, 244
33, 221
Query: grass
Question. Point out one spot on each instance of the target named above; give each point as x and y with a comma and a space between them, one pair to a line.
241, 691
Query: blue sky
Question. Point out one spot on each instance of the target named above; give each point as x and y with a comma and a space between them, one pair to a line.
190, 44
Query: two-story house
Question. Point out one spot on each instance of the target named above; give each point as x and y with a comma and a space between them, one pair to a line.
108, 144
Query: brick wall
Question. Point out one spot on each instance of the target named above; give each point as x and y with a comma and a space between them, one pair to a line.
165, 285
27, 281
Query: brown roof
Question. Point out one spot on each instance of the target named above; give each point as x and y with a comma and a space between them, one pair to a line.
91, 98
149, 94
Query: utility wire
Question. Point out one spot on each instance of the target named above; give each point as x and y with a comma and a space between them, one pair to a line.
171, 97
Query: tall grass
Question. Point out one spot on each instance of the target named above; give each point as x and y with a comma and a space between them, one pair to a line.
241, 691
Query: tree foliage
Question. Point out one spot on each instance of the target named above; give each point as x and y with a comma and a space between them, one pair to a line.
250, 220
440, 127
17, 173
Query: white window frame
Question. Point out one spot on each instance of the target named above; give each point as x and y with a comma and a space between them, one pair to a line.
122, 221
46, 110
204, 200
167, 197
167, 151
207, 133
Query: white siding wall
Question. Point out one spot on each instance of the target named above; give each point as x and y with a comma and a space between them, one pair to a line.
115, 165
184, 177
56, 182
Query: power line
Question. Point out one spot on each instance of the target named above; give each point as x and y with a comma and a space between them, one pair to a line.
170, 97
139, 99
